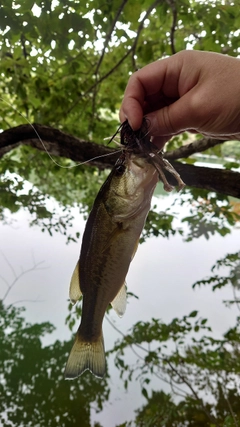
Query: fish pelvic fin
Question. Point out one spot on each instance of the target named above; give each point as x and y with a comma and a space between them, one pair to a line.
86, 355
119, 303
74, 290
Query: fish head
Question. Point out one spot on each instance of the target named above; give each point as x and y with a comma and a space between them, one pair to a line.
132, 183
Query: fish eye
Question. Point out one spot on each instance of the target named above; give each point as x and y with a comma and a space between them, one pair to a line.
120, 169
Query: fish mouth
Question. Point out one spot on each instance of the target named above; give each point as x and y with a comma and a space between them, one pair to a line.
138, 143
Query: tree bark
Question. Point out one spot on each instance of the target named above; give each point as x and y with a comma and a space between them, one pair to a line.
57, 143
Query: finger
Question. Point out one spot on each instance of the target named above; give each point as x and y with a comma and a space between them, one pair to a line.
133, 113
172, 119
142, 84
133, 101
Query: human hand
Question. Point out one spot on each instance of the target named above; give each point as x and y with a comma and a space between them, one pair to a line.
192, 90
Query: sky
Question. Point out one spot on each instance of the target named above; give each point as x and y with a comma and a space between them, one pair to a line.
161, 274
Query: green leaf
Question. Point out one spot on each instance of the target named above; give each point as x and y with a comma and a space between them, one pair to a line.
145, 393
193, 313
231, 165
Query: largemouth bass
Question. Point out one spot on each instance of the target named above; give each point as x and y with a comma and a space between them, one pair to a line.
109, 243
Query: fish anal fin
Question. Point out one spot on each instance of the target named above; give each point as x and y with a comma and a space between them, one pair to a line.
86, 355
119, 303
74, 290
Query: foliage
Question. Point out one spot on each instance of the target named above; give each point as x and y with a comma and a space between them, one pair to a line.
209, 213
231, 149
160, 410
61, 59
202, 371
199, 371
159, 224
42, 197
32, 373
232, 279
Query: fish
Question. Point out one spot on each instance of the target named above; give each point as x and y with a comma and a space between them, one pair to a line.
109, 243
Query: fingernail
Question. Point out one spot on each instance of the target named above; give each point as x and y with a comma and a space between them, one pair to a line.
130, 123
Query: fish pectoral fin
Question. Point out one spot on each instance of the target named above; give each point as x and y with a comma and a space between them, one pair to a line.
74, 290
120, 301
86, 355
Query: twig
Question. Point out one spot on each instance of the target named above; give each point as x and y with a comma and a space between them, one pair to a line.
188, 384
237, 301
23, 43
26, 300
124, 336
17, 277
109, 35
148, 11
132, 49
4, 280
224, 391
180, 392
83, 57
107, 40
134, 65
174, 24
98, 82
9, 265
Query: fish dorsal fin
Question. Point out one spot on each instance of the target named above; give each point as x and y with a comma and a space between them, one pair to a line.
74, 290
120, 301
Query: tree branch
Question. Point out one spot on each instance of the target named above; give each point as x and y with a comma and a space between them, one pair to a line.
132, 49
194, 393
194, 147
107, 40
225, 394
108, 36
218, 180
147, 13
18, 277
57, 143
180, 392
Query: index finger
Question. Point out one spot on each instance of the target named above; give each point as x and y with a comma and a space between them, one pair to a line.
142, 84
133, 101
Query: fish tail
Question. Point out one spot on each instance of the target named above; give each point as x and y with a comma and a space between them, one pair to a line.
86, 355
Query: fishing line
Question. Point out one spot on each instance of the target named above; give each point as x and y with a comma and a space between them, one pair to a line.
45, 148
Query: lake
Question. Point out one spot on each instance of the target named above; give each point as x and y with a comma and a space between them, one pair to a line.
161, 275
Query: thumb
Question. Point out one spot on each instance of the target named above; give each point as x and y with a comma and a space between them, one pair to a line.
172, 119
